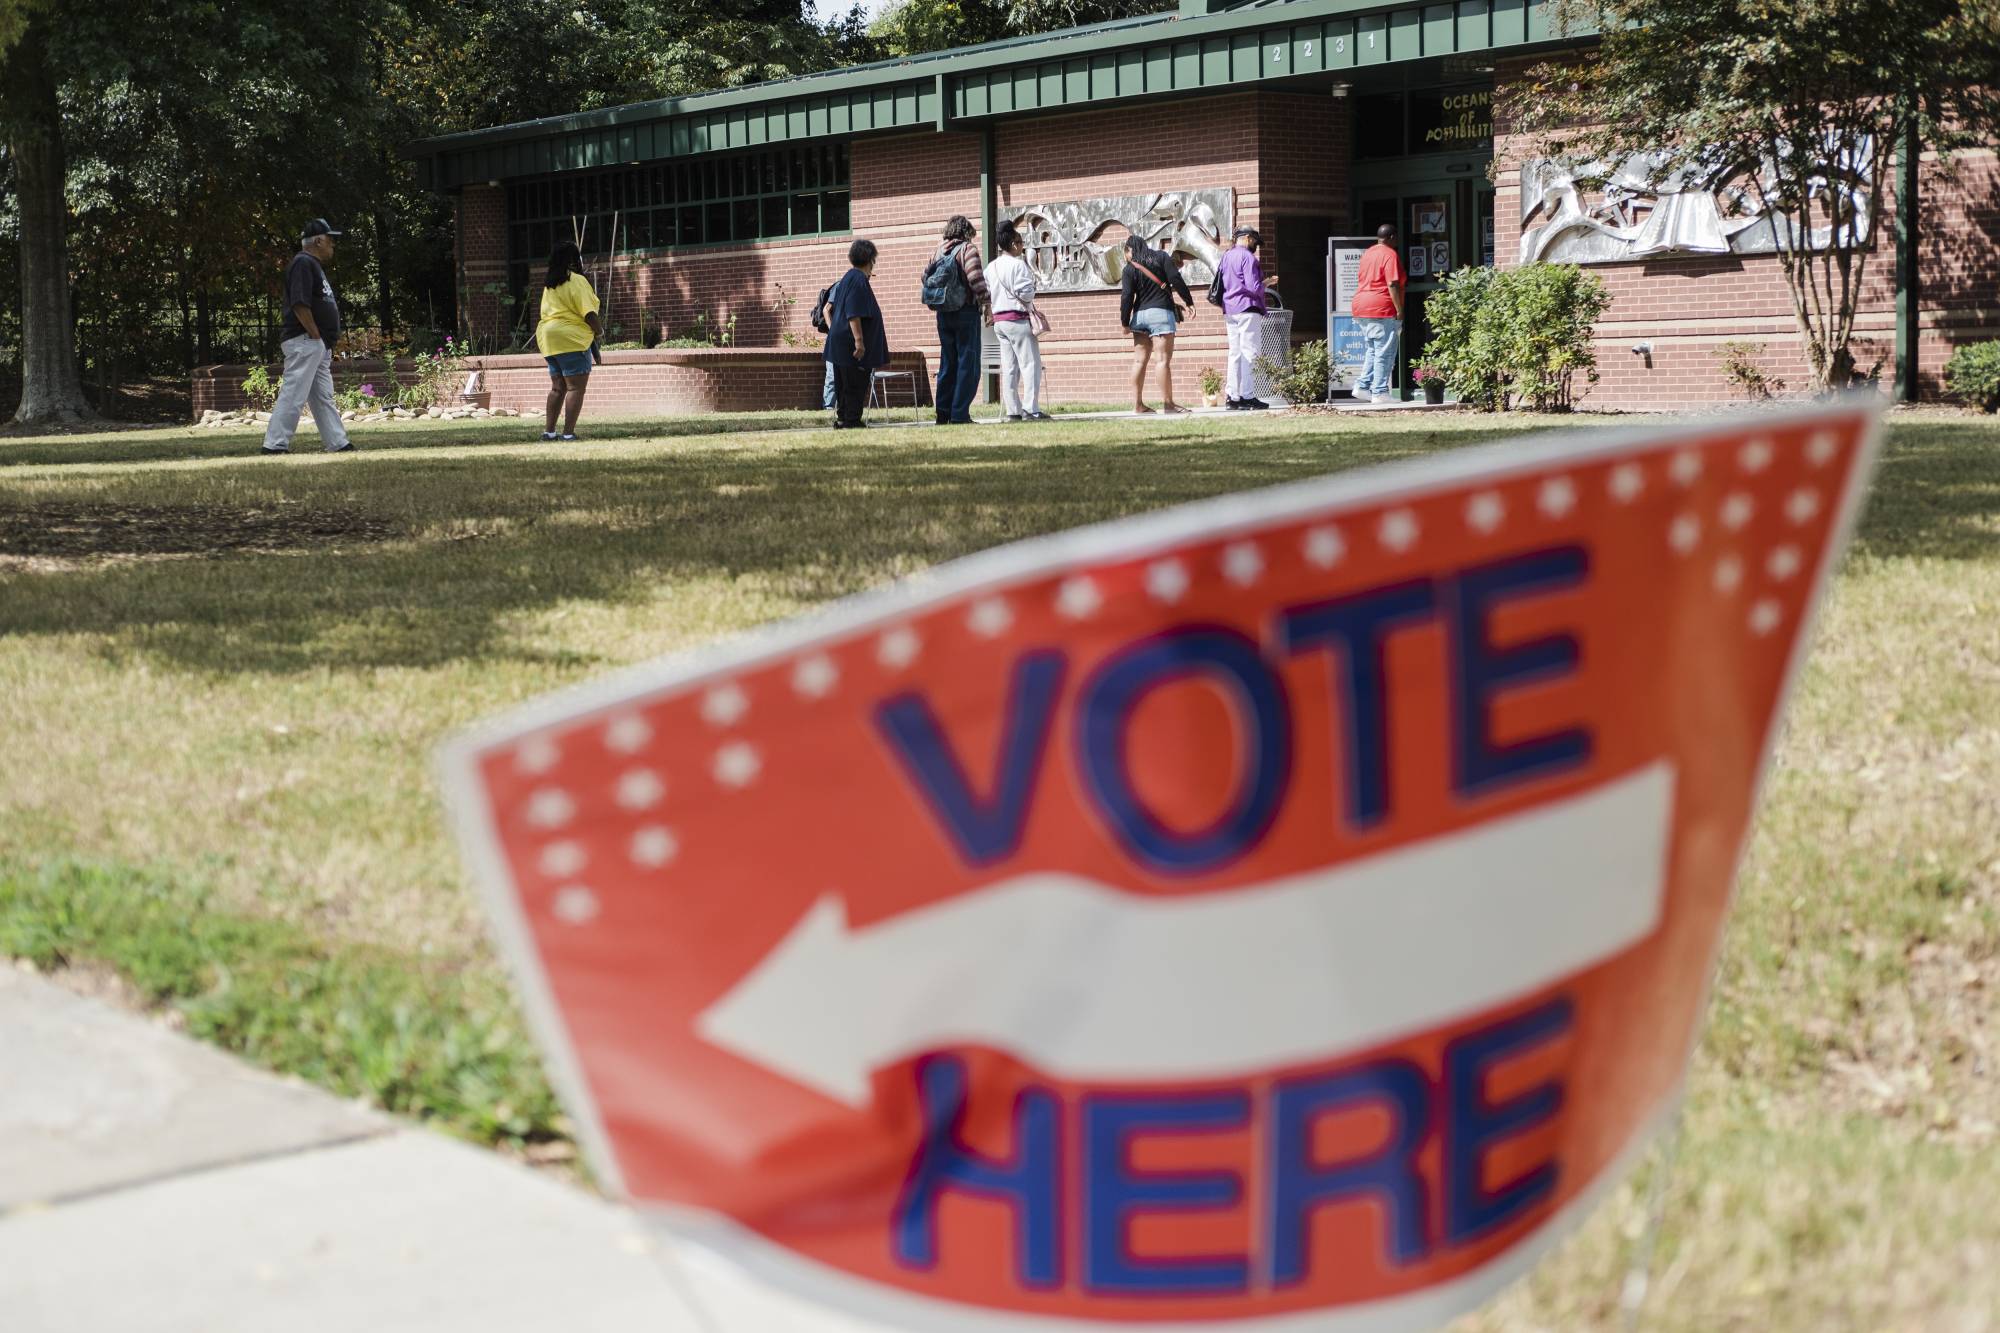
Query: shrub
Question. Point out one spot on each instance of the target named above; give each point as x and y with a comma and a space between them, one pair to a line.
1973, 374
1467, 342
259, 389
1303, 376
1211, 381
440, 373
1741, 360
1521, 334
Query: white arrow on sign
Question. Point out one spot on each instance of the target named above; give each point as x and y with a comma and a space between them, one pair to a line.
1090, 983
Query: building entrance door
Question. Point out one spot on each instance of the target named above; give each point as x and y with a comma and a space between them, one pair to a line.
1443, 222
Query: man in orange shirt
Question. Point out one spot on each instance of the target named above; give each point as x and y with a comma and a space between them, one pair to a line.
1378, 309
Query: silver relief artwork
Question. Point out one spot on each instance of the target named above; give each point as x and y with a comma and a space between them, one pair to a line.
1078, 246
1641, 210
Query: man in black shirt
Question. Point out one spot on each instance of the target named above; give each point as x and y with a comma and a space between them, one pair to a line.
312, 327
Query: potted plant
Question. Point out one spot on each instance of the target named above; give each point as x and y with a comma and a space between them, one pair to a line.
1211, 387
1430, 379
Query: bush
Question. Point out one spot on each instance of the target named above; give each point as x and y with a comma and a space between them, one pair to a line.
1519, 334
259, 389
1973, 374
1741, 363
1303, 377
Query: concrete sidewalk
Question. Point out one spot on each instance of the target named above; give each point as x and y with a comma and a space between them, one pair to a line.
149, 1184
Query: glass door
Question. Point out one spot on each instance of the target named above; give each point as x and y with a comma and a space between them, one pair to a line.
1442, 224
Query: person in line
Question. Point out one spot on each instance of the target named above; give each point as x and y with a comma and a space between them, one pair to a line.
568, 327
959, 330
1243, 309
856, 342
311, 328
1017, 323
1378, 309
1152, 300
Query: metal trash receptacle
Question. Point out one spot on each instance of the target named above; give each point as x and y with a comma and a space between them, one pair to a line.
1274, 343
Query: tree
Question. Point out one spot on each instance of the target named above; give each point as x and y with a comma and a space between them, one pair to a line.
1794, 110
913, 27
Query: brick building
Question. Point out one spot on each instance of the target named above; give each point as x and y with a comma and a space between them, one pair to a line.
1304, 118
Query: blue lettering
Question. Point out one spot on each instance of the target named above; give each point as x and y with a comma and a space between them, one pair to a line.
1113, 1192
1484, 671
1476, 1124
1360, 626
1028, 1183
1300, 1186
1219, 654
988, 830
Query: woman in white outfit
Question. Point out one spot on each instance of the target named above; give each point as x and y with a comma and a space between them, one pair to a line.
1017, 323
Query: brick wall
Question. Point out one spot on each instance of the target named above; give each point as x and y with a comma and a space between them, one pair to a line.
482, 257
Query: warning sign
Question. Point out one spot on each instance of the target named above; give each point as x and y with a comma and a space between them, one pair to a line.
1292, 904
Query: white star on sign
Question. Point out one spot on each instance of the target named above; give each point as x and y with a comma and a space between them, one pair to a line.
1399, 529
575, 905
1736, 511
1754, 456
1484, 511
1166, 580
990, 618
1079, 598
537, 755
737, 764
550, 807
654, 846
1685, 532
640, 788
1626, 482
1821, 448
1802, 504
724, 704
1558, 496
815, 676
1783, 563
628, 734
560, 860
1764, 616
1324, 547
1728, 573
1242, 563
1685, 467
899, 647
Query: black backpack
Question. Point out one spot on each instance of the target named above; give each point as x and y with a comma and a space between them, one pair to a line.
944, 283
819, 308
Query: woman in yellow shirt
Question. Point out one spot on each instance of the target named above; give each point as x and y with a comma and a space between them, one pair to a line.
568, 327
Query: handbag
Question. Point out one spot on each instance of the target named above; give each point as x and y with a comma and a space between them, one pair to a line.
1179, 311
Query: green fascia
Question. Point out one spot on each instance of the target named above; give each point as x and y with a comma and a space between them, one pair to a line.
1128, 58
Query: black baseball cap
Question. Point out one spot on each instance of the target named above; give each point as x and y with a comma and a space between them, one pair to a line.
318, 227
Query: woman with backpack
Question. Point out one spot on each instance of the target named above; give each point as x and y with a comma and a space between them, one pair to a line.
568, 329
1016, 322
855, 341
1152, 300
954, 285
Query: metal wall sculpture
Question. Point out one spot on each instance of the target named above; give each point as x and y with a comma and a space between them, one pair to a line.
1069, 250
1643, 210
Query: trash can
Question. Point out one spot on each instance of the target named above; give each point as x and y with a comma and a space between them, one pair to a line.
1274, 344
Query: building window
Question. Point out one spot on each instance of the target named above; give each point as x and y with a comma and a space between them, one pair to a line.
770, 194
1437, 120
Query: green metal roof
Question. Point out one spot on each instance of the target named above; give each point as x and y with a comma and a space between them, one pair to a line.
1174, 52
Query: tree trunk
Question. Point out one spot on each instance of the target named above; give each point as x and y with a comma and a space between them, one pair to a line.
51, 387
385, 295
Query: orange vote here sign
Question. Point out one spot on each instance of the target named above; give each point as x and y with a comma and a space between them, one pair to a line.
1275, 913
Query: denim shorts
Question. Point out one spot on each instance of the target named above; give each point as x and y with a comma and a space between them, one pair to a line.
569, 364
1154, 322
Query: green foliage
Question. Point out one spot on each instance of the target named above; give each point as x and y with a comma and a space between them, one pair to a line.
1520, 333
915, 26
1303, 376
1211, 381
700, 333
440, 375
414, 1038
1973, 374
1742, 364
260, 390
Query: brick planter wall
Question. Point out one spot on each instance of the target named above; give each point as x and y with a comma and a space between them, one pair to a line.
665, 381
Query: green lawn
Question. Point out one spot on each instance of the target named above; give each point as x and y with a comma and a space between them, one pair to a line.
222, 676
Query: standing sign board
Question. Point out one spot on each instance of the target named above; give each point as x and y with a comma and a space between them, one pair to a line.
1283, 912
1345, 349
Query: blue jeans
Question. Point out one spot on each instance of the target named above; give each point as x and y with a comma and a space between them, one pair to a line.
1378, 366
958, 363
826, 393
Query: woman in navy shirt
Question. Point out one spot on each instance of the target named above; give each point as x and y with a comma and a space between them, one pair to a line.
855, 340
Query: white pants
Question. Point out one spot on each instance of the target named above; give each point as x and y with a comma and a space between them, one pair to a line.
1245, 344
308, 381
1020, 367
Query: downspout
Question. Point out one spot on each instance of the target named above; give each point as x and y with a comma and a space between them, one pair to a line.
1908, 296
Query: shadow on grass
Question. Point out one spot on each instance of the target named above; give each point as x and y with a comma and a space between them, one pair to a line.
485, 539
1937, 493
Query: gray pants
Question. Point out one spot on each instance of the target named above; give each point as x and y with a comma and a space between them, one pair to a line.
1020, 367
308, 381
